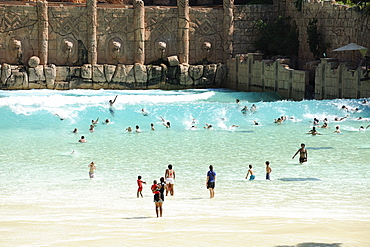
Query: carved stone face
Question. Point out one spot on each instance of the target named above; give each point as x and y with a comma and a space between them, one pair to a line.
162, 46
17, 44
116, 47
68, 45
207, 46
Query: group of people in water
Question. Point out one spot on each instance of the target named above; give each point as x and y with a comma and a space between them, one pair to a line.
165, 185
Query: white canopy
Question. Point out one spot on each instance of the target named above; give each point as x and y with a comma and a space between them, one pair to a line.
353, 47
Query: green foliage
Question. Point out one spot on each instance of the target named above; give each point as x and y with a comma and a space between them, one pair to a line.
277, 38
314, 40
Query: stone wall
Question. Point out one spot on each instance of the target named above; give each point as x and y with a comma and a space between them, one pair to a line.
333, 81
251, 73
338, 24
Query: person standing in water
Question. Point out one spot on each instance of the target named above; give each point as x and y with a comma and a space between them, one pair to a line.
302, 154
211, 181
268, 170
140, 186
170, 180
111, 107
156, 189
251, 173
92, 169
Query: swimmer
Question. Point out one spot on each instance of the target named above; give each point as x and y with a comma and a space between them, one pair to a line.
251, 173
167, 124
129, 129
344, 108
193, 121
152, 126
82, 139
278, 121
361, 128
107, 121
91, 128
237, 101
138, 130
253, 108
313, 131
75, 130
302, 154
244, 110
208, 126
60, 118
337, 130
94, 122
255, 123
144, 112
193, 127
92, 169
339, 119
325, 126
234, 126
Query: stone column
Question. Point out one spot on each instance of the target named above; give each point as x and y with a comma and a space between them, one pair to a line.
228, 28
43, 31
139, 31
183, 30
92, 16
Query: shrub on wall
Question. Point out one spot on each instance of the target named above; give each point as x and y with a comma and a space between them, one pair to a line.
277, 38
315, 41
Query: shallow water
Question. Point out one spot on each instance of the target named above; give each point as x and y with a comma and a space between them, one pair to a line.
44, 173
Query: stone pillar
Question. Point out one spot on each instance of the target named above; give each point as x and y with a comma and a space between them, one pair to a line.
43, 31
183, 30
228, 28
139, 32
91, 8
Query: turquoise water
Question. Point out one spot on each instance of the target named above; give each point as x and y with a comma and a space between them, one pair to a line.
43, 167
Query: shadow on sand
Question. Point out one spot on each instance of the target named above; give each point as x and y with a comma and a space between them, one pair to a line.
311, 245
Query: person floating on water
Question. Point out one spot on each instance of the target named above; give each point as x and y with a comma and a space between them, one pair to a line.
106, 121
208, 126
138, 130
82, 139
302, 154
91, 128
253, 108
129, 129
170, 180
251, 173
152, 127
140, 186
75, 130
92, 169
268, 170
337, 129
211, 181
111, 107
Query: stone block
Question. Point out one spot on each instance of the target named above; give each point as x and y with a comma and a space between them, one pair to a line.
75, 71
196, 71
209, 72
36, 74
79, 83
221, 74
50, 75
141, 74
185, 78
6, 71
62, 85
109, 72
86, 71
62, 73
155, 75
130, 71
173, 61
98, 73
120, 75
17, 80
